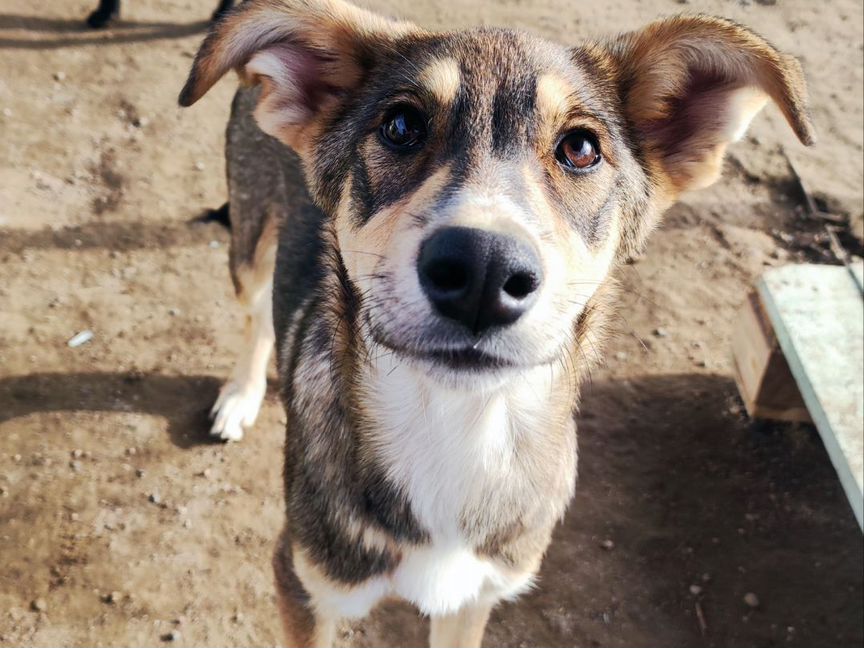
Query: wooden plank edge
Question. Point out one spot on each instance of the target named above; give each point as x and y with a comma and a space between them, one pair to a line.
817, 412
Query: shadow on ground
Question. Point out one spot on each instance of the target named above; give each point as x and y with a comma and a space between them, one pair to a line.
678, 490
683, 507
184, 401
55, 33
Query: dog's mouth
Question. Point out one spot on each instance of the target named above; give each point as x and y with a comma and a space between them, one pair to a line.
465, 358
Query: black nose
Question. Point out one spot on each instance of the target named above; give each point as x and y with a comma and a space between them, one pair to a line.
477, 278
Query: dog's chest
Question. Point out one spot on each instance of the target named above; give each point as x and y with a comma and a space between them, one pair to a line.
458, 459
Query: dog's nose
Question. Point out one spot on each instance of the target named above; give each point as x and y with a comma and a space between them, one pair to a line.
478, 278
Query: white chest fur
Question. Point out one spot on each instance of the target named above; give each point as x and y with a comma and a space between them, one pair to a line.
452, 452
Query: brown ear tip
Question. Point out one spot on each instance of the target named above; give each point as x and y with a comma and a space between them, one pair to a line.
188, 96
806, 132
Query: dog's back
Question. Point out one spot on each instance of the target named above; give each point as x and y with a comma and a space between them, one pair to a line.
266, 191
268, 199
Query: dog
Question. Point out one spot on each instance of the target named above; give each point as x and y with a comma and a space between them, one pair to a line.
428, 226
109, 10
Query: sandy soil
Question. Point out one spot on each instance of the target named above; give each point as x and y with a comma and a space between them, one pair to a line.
121, 523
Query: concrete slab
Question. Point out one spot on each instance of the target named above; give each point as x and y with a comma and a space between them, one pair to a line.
818, 316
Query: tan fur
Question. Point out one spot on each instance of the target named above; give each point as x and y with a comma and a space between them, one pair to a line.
553, 98
249, 278
298, 619
461, 630
441, 78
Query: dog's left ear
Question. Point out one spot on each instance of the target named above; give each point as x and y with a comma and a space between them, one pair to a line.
308, 55
690, 86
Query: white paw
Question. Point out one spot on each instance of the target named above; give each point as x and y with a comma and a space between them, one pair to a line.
235, 409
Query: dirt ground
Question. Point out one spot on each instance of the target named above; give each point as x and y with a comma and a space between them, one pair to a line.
120, 523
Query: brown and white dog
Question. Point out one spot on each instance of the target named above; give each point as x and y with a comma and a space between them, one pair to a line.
429, 223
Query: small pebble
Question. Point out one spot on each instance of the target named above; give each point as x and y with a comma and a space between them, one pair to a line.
199, 165
751, 600
154, 498
39, 605
139, 473
695, 590
174, 635
59, 76
77, 454
706, 578
113, 598
621, 355
7, 112
608, 545
80, 338
173, 312
661, 332
214, 245
75, 466
187, 523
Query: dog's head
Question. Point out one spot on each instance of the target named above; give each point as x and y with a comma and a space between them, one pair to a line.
483, 183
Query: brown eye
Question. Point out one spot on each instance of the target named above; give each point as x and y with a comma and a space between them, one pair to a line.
578, 151
403, 128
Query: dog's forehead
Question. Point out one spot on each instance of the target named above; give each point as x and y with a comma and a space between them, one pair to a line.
485, 60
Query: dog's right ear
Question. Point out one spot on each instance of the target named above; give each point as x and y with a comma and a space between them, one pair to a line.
307, 55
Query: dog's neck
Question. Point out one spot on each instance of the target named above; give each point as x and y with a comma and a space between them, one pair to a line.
480, 446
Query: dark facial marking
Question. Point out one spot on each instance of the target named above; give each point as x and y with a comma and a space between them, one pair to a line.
513, 118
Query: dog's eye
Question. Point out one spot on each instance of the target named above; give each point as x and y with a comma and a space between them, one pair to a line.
403, 128
578, 151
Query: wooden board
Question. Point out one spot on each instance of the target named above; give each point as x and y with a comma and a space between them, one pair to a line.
764, 380
817, 314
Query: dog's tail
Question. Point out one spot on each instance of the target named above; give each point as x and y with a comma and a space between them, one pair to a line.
222, 215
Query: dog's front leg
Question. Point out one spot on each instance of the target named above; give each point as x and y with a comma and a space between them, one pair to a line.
463, 629
304, 627
240, 398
